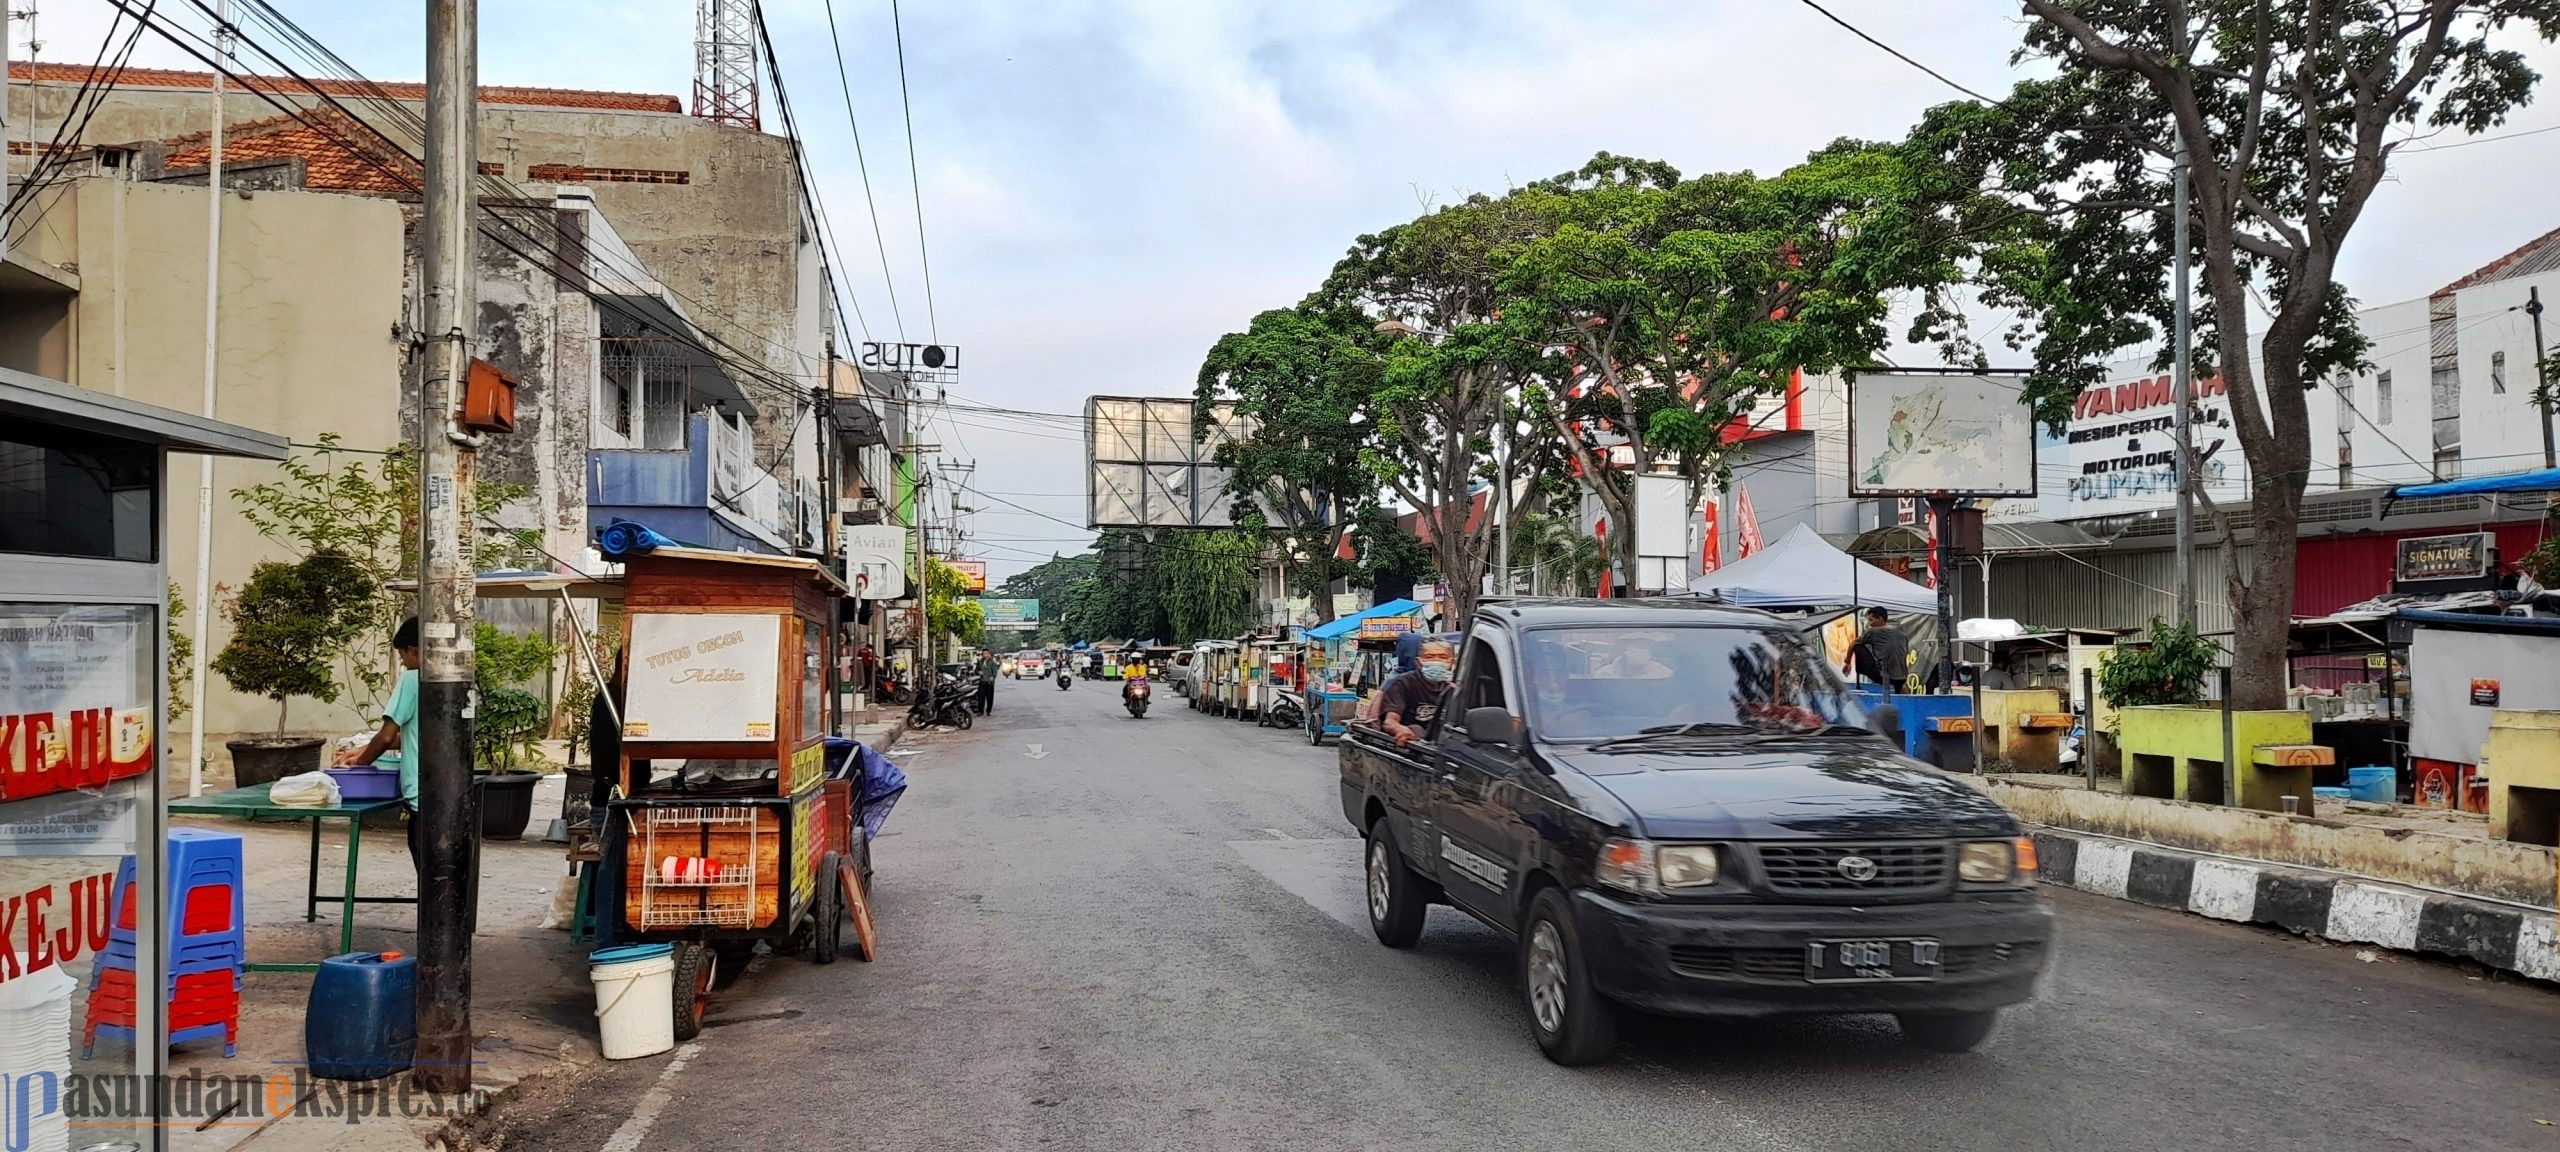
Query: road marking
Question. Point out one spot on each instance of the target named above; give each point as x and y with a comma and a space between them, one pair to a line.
1037, 752
635, 1127
1277, 834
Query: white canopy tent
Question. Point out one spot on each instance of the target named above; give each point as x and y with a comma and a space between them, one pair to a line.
1802, 570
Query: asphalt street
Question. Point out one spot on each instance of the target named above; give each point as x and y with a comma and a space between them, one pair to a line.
1104, 933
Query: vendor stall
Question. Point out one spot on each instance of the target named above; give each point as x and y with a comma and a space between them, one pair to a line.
721, 831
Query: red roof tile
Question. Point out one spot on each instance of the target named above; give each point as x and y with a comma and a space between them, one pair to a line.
2518, 262
496, 94
338, 154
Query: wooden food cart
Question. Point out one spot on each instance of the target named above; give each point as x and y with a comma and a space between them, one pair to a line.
722, 829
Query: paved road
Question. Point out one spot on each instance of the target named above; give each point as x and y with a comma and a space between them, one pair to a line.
1151, 937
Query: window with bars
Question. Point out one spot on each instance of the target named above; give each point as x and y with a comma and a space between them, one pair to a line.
2382, 396
648, 392
2497, 373
2346, 385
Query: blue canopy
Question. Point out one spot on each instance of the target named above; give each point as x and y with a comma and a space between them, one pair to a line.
1341, 626
2538, 480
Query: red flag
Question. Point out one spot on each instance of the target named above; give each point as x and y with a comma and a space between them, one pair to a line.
1600, 529
1710, 557
1746, 524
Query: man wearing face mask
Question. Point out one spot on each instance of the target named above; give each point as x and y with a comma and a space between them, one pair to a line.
1410, 703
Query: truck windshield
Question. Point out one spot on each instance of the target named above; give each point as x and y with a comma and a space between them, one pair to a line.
1594, 683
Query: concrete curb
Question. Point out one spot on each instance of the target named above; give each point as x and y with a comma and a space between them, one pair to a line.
2329, 907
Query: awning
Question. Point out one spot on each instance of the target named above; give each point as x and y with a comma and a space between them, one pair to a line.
708, 374
26, 398
1801, 570
2538, 480
530, 584
1341, 626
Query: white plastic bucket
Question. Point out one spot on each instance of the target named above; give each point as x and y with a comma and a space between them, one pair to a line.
635, 1000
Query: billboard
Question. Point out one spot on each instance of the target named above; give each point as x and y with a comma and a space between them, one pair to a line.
2124, 444
1916, 433
973, 574
1144, 469
1011, 615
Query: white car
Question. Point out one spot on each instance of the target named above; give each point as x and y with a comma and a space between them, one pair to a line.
1029, 666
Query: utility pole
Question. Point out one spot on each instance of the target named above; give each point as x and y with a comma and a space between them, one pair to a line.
204, 464
829, 505
448, 879
2184, 390
2541, 375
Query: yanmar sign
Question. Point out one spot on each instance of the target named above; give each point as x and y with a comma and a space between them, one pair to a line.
2123, 444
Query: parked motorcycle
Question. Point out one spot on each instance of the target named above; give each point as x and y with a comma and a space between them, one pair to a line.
949, 701
1286, 710
1133, 695
894, 689
1065, 678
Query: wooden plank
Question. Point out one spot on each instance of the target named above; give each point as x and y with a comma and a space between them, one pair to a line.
2293, 755
1951, 724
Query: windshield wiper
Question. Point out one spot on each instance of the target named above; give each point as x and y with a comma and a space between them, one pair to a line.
1825, 730
1662, 732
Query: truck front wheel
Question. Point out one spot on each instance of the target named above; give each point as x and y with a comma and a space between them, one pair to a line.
1396, 900
1574, 1023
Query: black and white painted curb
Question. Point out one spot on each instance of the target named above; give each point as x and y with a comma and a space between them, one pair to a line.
2331, 907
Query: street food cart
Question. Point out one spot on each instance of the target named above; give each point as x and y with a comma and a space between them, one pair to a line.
722, 829
1349, 657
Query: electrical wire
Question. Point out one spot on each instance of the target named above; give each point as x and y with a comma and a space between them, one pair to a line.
1896, 53
862, 165
43, 167
915, 183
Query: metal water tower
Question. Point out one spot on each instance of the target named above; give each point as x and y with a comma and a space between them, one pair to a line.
724, 62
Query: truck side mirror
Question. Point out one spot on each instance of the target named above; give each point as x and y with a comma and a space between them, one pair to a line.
1491, 726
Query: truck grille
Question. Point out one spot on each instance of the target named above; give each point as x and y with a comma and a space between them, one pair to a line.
1738, 963
1814, 869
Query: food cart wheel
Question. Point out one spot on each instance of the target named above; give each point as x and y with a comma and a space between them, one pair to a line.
1315, 732
694, 969
827, 913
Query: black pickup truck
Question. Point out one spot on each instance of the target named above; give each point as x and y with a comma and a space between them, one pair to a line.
1679, 808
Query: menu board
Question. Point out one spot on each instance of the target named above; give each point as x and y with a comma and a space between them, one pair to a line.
77, 696
698, 676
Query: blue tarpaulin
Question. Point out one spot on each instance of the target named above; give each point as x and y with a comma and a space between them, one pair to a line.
2538, 480
1341, 626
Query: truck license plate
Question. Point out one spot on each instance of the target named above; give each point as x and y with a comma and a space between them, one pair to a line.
1856, 961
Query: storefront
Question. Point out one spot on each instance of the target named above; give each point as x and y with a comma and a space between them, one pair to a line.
83, 714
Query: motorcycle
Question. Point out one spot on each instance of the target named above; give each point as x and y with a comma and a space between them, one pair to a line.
894, 689
1133, 694
947, 702
1286, 710
1064, 679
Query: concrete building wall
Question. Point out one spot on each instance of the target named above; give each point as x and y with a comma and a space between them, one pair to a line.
311, 291
714, 212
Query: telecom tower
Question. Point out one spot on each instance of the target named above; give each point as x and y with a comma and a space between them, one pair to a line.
724, 62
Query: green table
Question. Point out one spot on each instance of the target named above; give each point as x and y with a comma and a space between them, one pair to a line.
251, 803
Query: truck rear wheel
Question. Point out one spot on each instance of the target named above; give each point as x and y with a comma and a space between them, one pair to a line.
1397, 903
1949, 1031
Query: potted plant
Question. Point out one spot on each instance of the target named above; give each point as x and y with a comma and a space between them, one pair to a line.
509, 719
289, 624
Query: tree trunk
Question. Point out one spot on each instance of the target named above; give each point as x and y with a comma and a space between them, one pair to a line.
282, 703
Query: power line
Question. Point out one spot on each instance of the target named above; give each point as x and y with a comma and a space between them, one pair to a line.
2477, 140
1896, 53
915, 183
863, 166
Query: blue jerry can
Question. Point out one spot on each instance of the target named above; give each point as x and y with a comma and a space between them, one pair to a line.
362, 1022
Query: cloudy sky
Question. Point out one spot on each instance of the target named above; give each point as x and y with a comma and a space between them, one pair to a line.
1108, 185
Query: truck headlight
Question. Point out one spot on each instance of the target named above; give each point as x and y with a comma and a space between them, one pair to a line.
1687, 865
1987, 862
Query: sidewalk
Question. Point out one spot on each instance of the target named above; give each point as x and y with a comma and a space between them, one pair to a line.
2410, 879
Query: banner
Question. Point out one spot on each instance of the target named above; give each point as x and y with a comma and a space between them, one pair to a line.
2124, 446
1011, 615
78, 696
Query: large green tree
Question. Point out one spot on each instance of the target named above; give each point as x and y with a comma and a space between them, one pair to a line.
2290, 112
1453, 376
1301, 380
1672, 305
